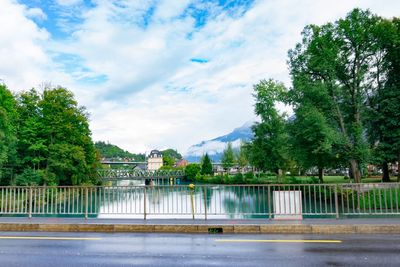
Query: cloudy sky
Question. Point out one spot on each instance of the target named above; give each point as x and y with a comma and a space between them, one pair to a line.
159, 73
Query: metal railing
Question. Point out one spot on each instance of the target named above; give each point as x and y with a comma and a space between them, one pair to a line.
204, 201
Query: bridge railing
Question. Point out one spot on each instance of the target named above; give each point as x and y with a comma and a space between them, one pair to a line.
204, 201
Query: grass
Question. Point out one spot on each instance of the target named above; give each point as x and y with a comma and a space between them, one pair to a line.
268, 179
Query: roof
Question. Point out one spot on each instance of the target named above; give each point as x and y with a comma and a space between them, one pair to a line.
155, 153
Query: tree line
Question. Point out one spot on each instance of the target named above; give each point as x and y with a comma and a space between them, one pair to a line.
45, 139
113, 152
345, 94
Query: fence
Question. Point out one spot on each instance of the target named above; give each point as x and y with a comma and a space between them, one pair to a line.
204, 201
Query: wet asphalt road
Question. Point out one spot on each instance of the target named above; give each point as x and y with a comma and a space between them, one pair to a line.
96, 249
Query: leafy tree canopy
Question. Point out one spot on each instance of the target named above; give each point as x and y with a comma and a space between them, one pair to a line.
111, 151
172, 153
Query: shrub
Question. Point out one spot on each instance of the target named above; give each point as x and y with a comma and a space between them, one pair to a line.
238, 178
248, 176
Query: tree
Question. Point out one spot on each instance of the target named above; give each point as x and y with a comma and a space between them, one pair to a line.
8, 117
171, 153
241, 156
170, 156
383, 122
269, 149
168, 161
206, 165
314, 142
72, 156
111, 151
32, 147
339, 61
54, 137
192, 170
228, 157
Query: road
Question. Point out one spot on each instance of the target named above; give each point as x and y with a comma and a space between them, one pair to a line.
101, 249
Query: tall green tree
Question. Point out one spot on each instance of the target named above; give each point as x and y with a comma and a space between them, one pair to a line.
336, 60
241, 156
269, 149
54, 137
32, 147
384, 103
206, 165
314, 142
72, 156
8, 118
228, 157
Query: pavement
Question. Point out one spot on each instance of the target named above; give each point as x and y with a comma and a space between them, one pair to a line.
170, 249
253, 226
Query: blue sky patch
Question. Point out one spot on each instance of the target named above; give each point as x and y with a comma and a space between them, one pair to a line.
199, 60
61, 20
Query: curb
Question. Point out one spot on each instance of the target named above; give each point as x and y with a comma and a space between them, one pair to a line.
217, 228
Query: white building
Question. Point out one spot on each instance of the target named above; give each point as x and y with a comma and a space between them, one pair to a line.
155, 160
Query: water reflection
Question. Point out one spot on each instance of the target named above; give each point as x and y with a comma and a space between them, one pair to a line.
133, 199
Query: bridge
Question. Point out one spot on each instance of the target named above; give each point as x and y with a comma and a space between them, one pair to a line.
129, 174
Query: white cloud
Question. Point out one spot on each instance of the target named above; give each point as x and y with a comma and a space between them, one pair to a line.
35, 13
154, 96
69, 2
21, 47
211, 147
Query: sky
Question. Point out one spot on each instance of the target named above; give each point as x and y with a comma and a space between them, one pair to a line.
158, 74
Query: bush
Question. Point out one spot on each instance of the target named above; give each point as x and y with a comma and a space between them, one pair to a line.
191, 171
293, 180
238, 178
248, 176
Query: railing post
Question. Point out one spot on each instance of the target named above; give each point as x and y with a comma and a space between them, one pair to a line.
144, 202
87, 203
336, 202
191, 188
30, 202
205, 202
269, 202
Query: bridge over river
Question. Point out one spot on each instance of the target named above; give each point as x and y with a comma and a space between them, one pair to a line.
129, 174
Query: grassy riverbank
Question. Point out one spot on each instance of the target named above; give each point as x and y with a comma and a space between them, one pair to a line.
250, 178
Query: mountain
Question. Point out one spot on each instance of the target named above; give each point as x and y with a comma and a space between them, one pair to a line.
216, 146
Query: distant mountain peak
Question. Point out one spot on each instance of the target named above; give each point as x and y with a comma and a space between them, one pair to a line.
216, 146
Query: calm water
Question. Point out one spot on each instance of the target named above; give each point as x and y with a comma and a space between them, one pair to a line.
181, 202
213, 201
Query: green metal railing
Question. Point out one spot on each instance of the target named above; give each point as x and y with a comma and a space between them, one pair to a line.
204, 201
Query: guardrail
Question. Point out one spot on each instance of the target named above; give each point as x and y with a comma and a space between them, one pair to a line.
204, 201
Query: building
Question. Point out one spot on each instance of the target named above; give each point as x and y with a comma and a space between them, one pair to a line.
181, 163
154, 160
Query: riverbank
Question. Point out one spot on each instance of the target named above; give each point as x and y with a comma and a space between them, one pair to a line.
250, 178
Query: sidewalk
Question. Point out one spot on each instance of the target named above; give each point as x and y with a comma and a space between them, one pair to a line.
262, 226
